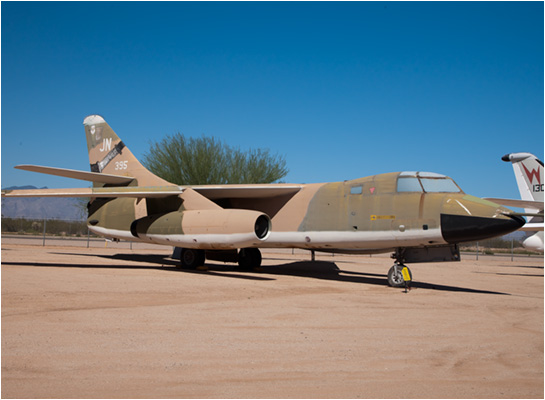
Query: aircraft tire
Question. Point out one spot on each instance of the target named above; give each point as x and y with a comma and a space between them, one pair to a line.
395, 276
192, 258
249, 258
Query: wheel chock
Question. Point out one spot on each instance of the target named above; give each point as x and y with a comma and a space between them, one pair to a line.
406, 278
406, 274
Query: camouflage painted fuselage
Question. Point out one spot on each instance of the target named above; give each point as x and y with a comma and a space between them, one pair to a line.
362, 215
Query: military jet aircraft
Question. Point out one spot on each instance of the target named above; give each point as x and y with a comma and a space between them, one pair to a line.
419, 216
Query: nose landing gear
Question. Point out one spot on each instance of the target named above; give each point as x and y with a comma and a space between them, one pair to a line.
399, 274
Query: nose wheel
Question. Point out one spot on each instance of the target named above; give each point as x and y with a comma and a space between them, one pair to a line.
399, 275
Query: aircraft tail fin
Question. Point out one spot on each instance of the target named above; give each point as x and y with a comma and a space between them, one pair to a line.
529, 174
109, 155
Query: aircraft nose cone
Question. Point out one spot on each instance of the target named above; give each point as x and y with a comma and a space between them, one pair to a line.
464, 228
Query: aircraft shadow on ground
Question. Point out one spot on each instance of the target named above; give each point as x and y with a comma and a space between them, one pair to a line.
529, 275
518, 268
162, 263
509, 274
330, 271
306, 269
522, 266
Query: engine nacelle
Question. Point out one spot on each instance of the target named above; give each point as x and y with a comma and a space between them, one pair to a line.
204, 229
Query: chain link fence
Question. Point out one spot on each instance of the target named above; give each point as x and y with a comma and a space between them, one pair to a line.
46, 229
51, 227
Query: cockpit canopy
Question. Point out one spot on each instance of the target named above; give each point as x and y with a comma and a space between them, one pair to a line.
427, 182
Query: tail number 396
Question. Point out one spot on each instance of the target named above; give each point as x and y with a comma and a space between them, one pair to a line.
119, 165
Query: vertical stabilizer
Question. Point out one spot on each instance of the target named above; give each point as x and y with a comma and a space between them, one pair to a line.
108, 154
529, 174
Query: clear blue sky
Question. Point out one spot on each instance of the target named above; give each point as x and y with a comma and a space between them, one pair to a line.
342, 90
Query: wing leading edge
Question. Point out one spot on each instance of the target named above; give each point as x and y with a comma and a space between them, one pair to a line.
81, 175
131, 191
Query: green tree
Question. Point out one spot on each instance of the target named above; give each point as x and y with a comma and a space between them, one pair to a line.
206, 160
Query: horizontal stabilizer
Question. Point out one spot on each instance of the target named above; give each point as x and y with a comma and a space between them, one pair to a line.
81, 175
132, 191
536, 205
532, 227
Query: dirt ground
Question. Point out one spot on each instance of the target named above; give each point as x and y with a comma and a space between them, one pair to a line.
112, 322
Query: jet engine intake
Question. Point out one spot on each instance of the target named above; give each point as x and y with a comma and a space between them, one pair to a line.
204, 229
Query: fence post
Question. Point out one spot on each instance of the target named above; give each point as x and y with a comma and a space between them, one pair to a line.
43, 242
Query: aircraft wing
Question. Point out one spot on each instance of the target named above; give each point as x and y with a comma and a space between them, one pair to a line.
75, 174
537, 205
252, 191
212, 192
130, 191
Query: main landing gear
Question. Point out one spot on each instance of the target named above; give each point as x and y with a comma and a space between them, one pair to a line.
192, 259
247, 259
